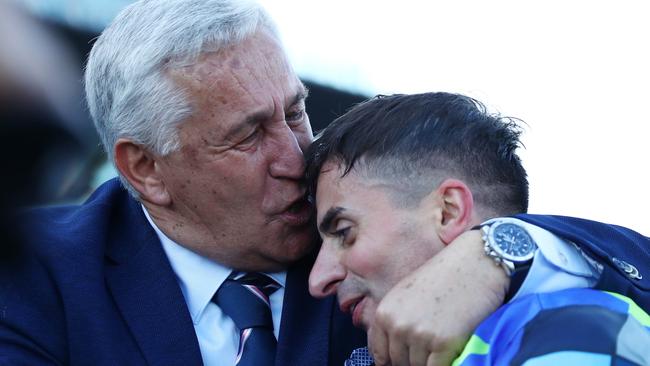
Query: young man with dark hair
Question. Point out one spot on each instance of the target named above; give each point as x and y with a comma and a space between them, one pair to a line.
398, 178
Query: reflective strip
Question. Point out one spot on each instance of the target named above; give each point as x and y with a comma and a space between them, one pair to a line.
475, 346
570, 358
633, 309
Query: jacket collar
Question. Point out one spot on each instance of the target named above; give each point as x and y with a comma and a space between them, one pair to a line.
145, 289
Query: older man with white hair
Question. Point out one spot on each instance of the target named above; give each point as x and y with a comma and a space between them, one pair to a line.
204, 119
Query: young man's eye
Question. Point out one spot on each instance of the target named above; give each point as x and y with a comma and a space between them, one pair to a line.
344, 235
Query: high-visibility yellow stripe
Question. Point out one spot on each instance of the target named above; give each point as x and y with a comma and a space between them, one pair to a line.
475, 346
633, 309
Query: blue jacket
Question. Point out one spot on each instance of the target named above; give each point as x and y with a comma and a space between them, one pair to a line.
569, 327
576, 326
98, 289
615, 247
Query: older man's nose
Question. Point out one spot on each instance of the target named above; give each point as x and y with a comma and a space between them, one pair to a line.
288, 161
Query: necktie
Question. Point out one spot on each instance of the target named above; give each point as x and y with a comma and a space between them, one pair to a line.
244, 297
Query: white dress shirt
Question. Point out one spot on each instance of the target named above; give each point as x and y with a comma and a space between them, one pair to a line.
199, 279
557, 264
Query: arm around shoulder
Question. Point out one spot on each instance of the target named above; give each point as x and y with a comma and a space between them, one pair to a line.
456, 290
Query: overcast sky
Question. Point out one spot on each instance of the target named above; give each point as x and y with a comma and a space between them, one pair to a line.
576, 71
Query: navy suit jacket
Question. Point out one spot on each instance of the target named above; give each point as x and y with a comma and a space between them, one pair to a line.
98, 289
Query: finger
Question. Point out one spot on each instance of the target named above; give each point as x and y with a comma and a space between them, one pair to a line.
378, 345
398, 350
418, 355
444, 358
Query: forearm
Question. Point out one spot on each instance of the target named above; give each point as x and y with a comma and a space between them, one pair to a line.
455, 290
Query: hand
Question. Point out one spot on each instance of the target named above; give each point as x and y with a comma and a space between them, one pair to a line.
427, 318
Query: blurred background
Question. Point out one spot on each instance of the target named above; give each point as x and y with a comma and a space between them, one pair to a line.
575, 71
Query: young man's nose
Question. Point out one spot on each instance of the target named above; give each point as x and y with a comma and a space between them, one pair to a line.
327, 273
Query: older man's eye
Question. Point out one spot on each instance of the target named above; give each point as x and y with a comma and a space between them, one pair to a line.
295, 116
250, 138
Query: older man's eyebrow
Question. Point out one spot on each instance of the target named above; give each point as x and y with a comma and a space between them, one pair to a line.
250, 121
331, 214
300, 96
256, 118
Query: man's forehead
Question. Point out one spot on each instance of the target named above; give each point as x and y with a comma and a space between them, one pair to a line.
335, 173
329, 178
353, 195
331, 165
242, 82
338, 187
259, 55
334, 188
330, 174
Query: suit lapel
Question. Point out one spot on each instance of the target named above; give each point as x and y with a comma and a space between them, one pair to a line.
146, 292
312, 331
304, 330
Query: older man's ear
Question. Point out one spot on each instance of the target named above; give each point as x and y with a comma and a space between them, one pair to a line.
141, 169
455, 211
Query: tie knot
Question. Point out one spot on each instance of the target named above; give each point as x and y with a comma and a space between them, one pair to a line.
244, 297
259, 281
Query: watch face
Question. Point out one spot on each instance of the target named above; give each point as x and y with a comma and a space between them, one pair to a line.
513, 242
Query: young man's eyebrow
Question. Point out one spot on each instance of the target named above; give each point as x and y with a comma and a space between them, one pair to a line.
331, 214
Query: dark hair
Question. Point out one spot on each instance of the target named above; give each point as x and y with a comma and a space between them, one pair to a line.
416, 141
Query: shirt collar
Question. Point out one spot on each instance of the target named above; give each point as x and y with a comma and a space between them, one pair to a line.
198, 276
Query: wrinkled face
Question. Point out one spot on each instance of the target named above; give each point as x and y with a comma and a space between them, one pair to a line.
369, 243
236, 180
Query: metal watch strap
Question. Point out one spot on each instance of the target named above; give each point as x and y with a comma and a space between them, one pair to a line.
517, 274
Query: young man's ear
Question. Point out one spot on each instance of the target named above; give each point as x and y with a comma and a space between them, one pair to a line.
456, 209
140, 168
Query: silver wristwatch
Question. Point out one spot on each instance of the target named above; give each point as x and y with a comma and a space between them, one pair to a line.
508, 244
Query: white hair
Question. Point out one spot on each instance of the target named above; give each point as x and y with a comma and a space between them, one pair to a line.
127, 91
